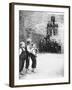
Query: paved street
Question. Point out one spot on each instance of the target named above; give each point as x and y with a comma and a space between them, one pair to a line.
48, 66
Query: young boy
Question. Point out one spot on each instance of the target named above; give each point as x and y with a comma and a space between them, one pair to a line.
31, 53
22, 57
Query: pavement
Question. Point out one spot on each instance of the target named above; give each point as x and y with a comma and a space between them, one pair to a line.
48, 66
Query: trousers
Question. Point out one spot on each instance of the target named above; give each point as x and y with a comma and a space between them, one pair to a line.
33, 58
22, 59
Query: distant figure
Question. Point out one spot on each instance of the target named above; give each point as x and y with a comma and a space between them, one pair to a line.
22, 57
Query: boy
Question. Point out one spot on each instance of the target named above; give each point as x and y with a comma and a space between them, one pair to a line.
31, 53
22, 57
34, 52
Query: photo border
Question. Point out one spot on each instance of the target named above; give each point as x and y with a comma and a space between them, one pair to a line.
11, 44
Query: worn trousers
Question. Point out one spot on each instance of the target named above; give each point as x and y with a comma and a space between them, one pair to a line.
33, 58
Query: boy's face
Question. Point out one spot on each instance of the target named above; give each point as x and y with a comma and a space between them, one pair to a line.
28, 42
23, 46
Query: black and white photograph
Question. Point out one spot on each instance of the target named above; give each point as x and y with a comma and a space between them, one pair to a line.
41, 40
41, 44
